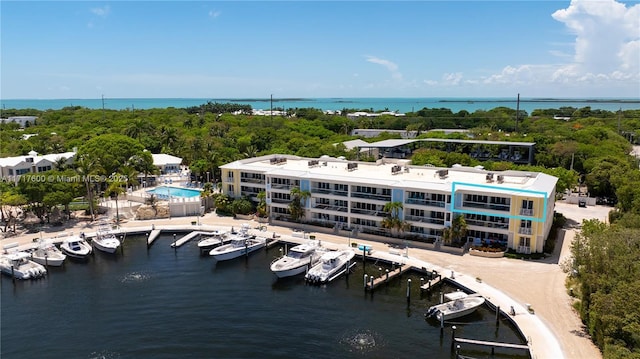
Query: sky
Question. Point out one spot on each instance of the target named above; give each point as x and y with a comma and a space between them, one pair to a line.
249, 49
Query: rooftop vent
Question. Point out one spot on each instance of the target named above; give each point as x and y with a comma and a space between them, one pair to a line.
278, 160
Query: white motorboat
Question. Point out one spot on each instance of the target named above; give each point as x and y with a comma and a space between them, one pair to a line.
105, 240
212, 240
331, 265
460, 306
298, 260
76, 247
20, 266
48, 254
241, 243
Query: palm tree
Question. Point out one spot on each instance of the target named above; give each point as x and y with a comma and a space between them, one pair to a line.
138, 127
88, 167
298, 201
457, 230
261, 208
60, 164
392, 221
115, 188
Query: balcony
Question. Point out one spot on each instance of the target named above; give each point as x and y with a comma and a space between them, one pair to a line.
286, 187
526, 212
426, 202
524, 249
330, 191
491, 206
328, 207
421, 219
378, 197
498, 225
281, 200
252, 180
524, 230
369, 212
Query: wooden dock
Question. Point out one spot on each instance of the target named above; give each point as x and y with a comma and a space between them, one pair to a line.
435, 280
490, 344
371, 285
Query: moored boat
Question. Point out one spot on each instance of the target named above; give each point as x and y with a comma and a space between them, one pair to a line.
242, 243
460, 306
331, 265
48, 254
105, 240
298, 259
19, 265
212, 240
76, 247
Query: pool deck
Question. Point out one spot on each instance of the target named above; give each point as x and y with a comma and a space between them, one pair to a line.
554, 331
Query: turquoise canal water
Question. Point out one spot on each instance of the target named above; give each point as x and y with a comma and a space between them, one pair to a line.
375, 104
166, 192
174, 303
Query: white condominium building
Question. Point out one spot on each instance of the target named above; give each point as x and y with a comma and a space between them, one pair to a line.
512, 208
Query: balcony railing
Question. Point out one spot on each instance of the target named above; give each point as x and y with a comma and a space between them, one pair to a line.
369, 212
422, 219
331, 208
524, 249
330, 191
280, 200
526, 212
426, 202
524, 230
252, 180
379, 197
499, 225
281, 186
492, 206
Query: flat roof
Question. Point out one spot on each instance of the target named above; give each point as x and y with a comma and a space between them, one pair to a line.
405, 176
402, 142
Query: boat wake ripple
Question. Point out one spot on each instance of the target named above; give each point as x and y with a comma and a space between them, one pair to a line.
134, 277
363, 341
104, 354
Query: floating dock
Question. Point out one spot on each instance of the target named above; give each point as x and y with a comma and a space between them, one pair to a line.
493, 345
152, 236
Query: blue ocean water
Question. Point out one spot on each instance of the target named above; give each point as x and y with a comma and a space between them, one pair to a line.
376, 104
163, 302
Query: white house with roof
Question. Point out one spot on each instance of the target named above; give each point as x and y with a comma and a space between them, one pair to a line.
13, 167
510, 208
167, 164
20, 120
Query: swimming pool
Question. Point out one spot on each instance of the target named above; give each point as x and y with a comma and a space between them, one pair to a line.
166, 192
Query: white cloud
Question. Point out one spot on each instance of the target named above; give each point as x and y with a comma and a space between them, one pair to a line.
607, 45
101, 11
214, 13
392, 67
452, 78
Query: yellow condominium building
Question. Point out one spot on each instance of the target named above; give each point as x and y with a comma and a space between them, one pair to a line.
509, 208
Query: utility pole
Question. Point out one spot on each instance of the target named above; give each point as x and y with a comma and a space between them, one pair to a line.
103, 108
271, 111
619, 115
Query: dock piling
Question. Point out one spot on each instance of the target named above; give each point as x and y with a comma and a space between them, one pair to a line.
387, 278
408, 290
365, 281
13, 275
175, 247
497, 315
453, 337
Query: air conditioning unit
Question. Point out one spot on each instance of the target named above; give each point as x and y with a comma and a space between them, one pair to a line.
489, 177
500, 178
